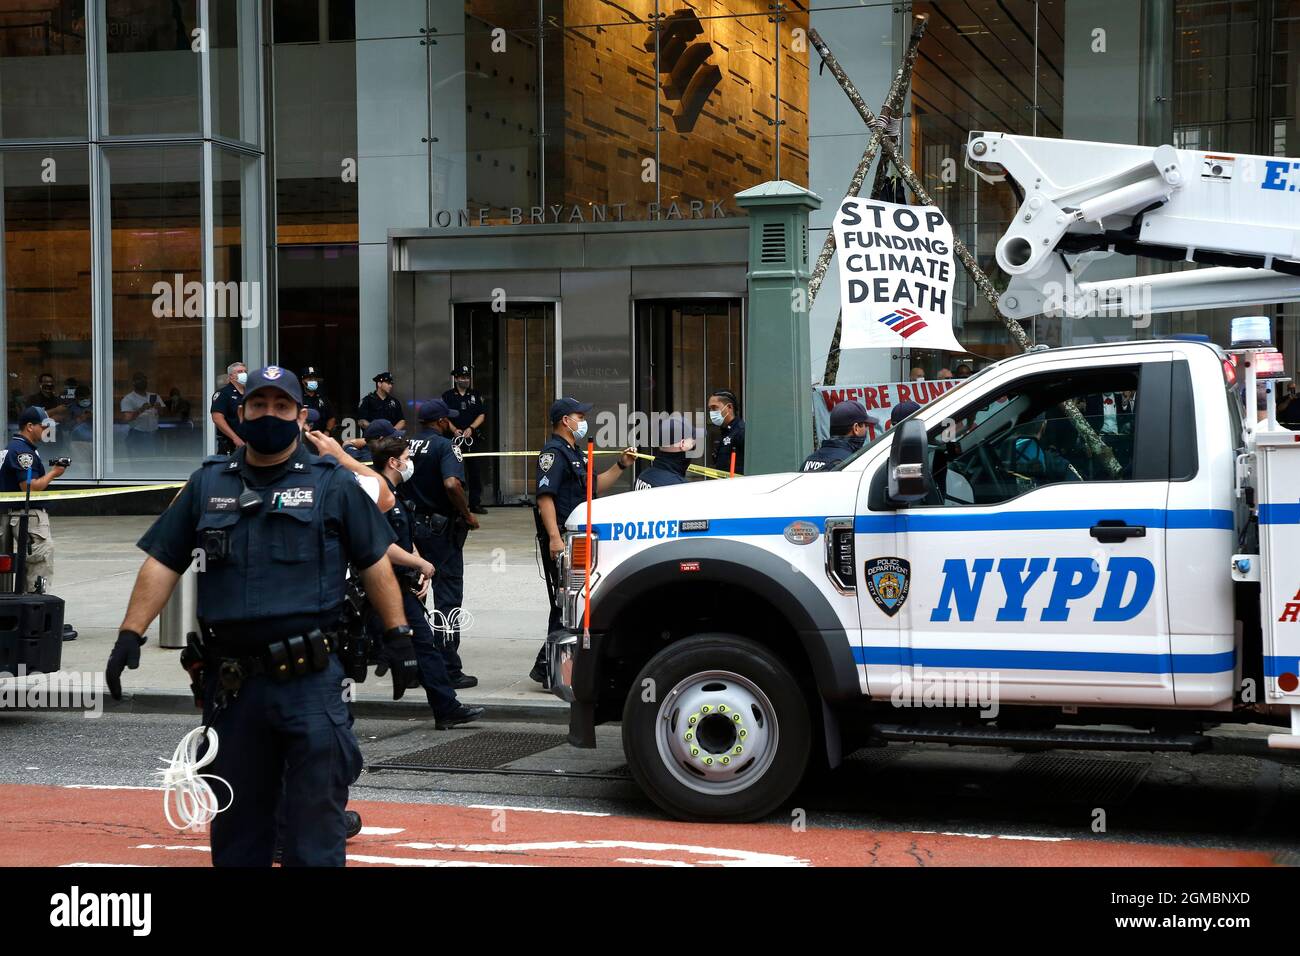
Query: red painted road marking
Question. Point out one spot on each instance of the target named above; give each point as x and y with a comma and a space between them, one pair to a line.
52, 826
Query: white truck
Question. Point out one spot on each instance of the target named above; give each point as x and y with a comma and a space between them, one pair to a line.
1075, 548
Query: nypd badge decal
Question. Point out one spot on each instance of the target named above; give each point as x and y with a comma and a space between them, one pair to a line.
888, 580
546, 460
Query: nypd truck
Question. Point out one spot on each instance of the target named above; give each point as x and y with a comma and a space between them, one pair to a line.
1087, 548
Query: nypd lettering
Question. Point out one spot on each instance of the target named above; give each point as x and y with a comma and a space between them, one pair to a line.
294, 498
1130, 582
642, 530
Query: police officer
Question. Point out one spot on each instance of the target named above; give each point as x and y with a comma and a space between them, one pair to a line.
676, 439
359, 448
436, 496
724, 413
225, 408
277, 526
468, 413
848, 432
381, 404
20, 466
391, 457
315, 398
561, 487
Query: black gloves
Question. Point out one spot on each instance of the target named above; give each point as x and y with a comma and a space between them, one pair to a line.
399, 655
126, 653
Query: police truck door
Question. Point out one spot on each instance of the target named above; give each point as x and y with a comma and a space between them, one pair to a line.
1040, 559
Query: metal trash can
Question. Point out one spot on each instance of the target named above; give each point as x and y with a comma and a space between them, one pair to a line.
180, 615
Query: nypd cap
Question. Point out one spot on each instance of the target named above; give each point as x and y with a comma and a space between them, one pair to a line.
568, 406
273, 376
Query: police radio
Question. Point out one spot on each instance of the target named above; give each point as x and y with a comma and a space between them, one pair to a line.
250, 501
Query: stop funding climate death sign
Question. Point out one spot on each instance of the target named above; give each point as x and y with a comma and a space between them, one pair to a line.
896, 276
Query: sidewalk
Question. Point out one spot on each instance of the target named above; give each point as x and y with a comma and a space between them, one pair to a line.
96, 561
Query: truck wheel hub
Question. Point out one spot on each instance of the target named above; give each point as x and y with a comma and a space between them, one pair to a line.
717, 732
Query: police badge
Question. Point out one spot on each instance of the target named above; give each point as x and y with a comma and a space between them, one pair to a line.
25, 461
887, 582
455, 450
546, 460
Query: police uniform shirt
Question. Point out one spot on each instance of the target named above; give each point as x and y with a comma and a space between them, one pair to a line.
667, 469
436, 459
18, 455
562, 474
464, 408
323, 407
373, 407
832, 452
226, 401
349, 513
733, 439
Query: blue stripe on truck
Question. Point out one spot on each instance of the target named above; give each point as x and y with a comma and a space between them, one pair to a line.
987, 659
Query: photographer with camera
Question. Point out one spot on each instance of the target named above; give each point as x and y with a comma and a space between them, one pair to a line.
21, 465
391, 457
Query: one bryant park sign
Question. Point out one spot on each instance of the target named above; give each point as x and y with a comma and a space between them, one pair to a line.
581, 212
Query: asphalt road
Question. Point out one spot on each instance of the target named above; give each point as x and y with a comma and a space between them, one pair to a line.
67, 796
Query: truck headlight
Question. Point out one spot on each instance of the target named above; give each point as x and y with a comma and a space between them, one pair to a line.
575, 557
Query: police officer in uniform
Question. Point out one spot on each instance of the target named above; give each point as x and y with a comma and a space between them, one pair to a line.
225, 409
436, 496
277, 526
676, 439
381, 404
359, 448
391, 457
848, 432
20, 460
724, 413
561, 487
468, 413
315, 399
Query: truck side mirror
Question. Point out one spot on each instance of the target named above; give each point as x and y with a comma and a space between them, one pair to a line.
909, 472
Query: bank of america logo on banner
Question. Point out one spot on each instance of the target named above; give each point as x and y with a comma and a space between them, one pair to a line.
904, 321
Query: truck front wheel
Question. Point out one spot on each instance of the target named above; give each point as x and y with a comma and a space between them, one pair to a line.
716, 728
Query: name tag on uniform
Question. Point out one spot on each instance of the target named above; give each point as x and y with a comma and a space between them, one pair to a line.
294, 498
223, 504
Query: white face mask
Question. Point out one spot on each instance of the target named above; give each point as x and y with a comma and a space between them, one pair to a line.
242, 378
407, 471
579, 430
715, 416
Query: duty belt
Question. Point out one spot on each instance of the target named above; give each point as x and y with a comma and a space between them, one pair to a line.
281, 660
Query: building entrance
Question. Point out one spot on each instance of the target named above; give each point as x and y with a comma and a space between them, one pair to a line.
513, 357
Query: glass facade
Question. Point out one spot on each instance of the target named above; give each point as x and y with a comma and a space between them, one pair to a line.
134, 221
190, 182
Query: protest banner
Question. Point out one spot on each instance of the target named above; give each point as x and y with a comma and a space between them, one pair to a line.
879, 400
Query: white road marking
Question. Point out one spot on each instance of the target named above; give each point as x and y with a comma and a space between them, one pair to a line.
381, 831
994, 836
701, 855
102, 786
160, 846
418, 861
572, 813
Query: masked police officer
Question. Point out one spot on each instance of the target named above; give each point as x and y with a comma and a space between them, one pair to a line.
724, 413
381, 404
21, 465
436, 496
561, 487
277, 527
315, 399
676, 439
391, 457
225, 408
468, 413
848, 432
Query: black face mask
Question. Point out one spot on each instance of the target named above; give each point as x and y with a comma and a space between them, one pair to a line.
269, 435
856, 441
674, 460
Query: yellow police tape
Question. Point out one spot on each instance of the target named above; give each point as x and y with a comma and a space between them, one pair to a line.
133, 489
697, 469
87, 492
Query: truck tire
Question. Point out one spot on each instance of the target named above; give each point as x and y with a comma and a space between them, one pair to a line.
721, 734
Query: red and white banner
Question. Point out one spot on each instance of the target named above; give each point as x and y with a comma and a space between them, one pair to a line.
879, 400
